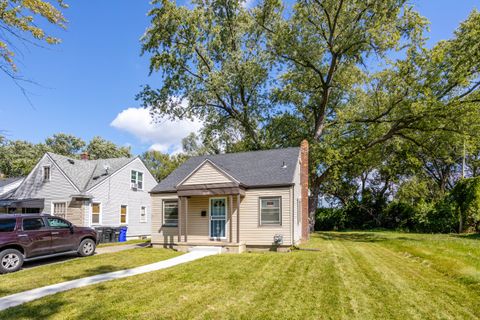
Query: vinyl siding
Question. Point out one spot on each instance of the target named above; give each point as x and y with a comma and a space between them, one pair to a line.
250, 230
162, 234
57, 189
207, 173
116, 191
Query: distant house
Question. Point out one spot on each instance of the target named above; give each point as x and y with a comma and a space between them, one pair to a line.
105, 192
8, 185
235, 201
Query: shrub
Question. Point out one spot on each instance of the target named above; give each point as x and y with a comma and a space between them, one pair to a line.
329, 219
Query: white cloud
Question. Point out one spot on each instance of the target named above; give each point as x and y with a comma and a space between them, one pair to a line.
163, 134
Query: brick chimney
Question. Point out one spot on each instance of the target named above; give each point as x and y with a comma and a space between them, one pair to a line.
84, 155
304, 188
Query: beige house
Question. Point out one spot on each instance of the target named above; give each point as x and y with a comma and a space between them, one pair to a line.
237, 201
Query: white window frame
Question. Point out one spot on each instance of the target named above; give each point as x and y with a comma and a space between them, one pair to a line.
210, 218
136, 179
52, 211
261, 223
100, 218
49, 173
145, 220
120, 216
163, 212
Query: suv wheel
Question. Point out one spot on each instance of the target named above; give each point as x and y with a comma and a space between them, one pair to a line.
11, 260
87, 248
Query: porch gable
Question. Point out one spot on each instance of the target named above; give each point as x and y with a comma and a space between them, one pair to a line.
207, 173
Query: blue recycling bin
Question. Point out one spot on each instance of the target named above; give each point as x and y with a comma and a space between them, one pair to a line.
123, 234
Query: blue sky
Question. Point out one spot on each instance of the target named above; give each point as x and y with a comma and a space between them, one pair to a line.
89, 82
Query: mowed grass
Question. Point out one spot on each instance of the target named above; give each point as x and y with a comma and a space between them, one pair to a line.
134, 241
79, 268
356, 275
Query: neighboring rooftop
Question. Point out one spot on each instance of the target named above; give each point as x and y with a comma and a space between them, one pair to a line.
252, 169
6, 181
85, 174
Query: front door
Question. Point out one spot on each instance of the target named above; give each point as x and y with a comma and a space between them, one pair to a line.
218, 218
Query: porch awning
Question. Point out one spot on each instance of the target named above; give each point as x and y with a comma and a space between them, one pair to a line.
23, 203
210, 189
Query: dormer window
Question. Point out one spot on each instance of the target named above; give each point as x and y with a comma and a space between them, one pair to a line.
137, 180
46, 173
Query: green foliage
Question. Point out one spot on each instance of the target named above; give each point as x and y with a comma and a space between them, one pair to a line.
162, 164
465, 198
99, 148
18, 21
214, 67
330, 219
17, 157
65, 144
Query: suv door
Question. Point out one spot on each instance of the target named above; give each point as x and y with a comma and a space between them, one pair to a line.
35, 237
63, 238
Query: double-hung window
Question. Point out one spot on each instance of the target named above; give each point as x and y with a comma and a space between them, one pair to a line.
123, 214
96, 213
170, 213
143, 214
137, 180
270, 211
60, 209
46, 173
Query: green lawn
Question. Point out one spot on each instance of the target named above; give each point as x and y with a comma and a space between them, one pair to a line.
135, 241
355, 275
78, 268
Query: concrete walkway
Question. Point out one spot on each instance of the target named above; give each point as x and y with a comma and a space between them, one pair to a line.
30, 295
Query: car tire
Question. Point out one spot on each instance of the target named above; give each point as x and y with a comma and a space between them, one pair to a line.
86, 248
11, 260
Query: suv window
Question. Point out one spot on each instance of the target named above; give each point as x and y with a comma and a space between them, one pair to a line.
57, 223
33, 224
7, 225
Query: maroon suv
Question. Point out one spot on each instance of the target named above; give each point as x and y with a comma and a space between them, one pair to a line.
26, 237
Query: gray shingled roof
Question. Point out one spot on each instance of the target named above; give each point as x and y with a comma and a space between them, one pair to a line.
4, 182
252, 169
85, 174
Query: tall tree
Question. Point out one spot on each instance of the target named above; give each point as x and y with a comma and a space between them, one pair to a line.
214, 67
65, 144
20, 24
99, 148
162, 164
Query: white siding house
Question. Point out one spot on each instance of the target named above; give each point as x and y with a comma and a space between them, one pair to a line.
104, 192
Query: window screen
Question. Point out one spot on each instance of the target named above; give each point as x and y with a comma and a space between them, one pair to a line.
270, 211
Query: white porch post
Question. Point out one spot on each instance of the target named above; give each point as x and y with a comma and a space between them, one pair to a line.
230, 219
186, 218
238, 218
179, 224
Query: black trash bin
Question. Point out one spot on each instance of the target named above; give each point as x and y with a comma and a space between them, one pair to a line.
116, 232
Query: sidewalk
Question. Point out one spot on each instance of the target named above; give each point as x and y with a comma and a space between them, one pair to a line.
30, 295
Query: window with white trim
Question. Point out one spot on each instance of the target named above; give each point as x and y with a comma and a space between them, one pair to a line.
170, 213
96, 213
137, 180
123, 214
46, 173
270, 211
143, 214
59, 209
